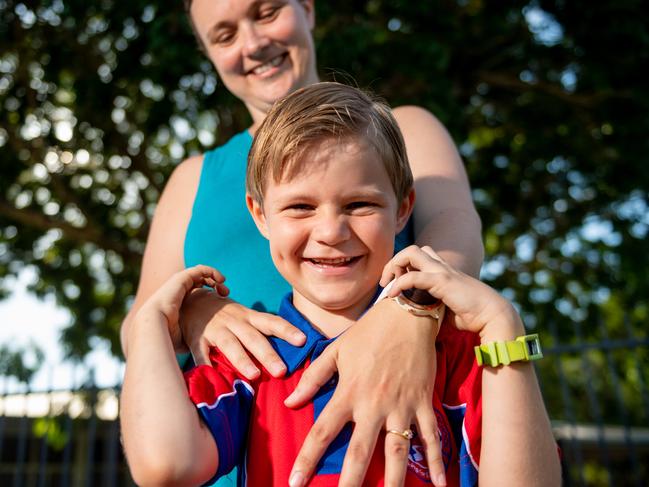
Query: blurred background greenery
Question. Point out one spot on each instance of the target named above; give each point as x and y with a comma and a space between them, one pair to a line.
99, 101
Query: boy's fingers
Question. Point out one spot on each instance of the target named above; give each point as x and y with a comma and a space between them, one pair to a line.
359, 452
428, 433
314, 377
330, 422
271, 325
396, 453
199, 272
222, 289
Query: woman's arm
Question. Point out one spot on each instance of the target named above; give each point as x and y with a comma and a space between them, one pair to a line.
444, 216
165, 441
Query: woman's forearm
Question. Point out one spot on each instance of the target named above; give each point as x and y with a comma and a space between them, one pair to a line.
164, 440
455, 235
517, 442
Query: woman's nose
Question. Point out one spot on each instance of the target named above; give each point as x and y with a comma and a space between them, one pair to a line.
254, 40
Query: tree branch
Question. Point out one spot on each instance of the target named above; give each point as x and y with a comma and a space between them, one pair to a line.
39, 221
513, 83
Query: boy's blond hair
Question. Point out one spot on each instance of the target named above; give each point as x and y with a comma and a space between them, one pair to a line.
319, 112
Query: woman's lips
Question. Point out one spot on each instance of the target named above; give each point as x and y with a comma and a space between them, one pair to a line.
270, 65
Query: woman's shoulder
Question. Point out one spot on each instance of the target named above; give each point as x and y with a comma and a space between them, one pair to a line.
189, 171
237, 146
415, 116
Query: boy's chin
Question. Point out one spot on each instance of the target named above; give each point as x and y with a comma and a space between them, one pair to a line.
342, 300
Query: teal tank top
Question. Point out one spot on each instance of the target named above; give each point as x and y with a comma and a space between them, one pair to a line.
222, 234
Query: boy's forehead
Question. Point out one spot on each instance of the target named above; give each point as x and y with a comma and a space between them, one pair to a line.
317, 155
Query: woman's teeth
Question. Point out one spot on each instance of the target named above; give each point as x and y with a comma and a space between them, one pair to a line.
273, 63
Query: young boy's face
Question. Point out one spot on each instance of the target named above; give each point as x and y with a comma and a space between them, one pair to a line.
331, 227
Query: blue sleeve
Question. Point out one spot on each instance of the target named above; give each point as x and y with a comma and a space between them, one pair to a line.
224, 403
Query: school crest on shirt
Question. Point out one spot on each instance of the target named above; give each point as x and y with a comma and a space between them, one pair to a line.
417, 455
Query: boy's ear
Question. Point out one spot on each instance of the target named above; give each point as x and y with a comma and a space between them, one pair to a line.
405, 209
257, 212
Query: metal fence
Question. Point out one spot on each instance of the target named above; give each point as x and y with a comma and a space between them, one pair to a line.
596, 392
61, 438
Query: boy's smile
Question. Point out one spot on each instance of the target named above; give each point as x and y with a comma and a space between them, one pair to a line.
331, 229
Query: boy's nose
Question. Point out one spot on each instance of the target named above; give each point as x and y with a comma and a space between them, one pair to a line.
332, 229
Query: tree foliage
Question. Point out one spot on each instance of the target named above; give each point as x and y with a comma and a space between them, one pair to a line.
99, 101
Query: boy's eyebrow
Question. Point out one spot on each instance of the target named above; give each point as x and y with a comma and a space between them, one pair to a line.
357, 192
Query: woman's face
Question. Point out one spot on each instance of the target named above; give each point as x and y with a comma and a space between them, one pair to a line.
262, 49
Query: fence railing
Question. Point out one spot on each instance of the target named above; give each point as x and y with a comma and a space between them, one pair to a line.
595, 391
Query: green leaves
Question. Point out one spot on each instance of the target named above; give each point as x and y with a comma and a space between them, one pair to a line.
99, 101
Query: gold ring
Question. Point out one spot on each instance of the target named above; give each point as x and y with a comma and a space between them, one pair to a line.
407, 433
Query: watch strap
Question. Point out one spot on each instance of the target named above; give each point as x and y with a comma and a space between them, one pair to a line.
522, 349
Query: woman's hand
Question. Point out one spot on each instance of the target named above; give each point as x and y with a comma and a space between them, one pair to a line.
209, 320
386, 364
474, 304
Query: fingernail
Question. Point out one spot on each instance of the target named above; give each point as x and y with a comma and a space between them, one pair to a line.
251, 371
440, 480
277, 368
296, 480
291, 396
298, 336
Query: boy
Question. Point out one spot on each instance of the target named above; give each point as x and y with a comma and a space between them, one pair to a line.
329, 186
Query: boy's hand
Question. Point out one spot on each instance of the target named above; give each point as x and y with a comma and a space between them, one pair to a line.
168, 299
386, 364
476, 306
209, 321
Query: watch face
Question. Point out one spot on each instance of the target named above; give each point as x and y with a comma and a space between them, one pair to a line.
420, 297
533, 347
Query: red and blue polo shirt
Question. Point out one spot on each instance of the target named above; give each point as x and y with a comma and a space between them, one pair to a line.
256, 432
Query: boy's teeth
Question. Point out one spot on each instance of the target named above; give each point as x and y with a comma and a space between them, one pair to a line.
276, 61
340, 260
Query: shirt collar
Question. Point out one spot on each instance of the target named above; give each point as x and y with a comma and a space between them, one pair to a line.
294, 356
315, 343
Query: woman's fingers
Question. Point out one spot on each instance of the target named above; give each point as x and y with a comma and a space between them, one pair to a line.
271, 325
330, 422
397, 448
258, 346
359, 452
429, 437
201, 354
230, 346
314, 377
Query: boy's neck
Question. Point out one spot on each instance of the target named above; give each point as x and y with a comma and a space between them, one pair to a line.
331, 323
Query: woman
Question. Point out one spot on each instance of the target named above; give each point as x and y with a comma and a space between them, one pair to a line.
263, 50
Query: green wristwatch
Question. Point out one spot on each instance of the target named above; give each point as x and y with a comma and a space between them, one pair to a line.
523, 349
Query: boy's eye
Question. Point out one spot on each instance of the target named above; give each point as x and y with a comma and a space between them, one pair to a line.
299, 208
361, 205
